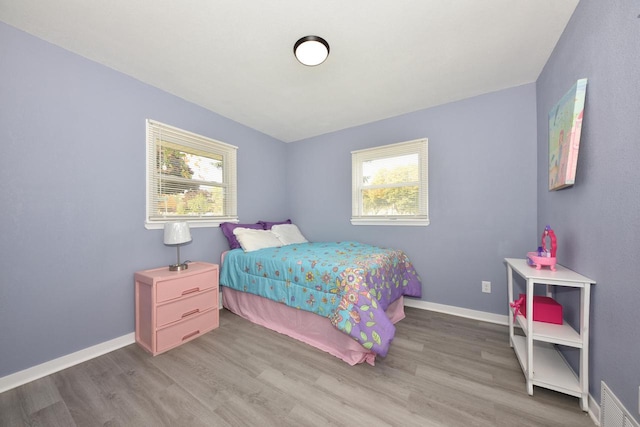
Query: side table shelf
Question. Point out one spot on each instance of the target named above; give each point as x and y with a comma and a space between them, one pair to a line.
540, 359
550, 370
557, 334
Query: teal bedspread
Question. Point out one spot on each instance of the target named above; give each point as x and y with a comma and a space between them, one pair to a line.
350, 283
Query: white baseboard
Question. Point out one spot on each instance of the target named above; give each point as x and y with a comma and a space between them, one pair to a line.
64, 362
484, 316
594, 410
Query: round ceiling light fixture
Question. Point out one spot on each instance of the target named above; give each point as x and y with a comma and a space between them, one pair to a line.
311, 50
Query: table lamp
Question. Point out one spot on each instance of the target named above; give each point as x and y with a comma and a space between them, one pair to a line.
177, 233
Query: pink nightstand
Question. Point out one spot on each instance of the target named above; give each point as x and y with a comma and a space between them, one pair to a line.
173, 307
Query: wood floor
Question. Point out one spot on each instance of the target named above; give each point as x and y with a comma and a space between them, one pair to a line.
441, 371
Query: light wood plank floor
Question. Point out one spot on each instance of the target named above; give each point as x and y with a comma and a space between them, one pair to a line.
441, 371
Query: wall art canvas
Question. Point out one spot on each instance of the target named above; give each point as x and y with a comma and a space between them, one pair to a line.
565, 125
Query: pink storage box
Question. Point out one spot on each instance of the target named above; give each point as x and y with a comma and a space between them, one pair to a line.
545, 309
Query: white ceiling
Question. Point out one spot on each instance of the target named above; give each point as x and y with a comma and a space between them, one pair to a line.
236, 57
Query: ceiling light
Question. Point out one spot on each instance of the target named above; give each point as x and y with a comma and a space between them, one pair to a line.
311, 50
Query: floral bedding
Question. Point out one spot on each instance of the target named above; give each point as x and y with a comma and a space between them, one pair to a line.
350, 283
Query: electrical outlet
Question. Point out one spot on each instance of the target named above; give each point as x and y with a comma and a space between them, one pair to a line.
486, 287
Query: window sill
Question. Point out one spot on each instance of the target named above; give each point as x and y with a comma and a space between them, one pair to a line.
157, 225
418, 222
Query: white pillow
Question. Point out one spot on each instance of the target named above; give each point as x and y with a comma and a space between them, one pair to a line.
288, 234
252, 240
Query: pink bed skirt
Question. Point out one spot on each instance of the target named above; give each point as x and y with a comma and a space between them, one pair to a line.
303, 325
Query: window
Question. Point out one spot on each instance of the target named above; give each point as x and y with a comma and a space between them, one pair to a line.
189, 178
390, 184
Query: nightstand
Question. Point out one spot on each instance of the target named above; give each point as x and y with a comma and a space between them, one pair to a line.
173, 307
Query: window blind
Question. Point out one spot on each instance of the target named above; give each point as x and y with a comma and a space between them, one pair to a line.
189, 177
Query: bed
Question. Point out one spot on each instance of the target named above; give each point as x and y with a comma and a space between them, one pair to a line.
340, 297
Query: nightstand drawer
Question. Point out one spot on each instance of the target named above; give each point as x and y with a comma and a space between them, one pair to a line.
181, 286
174, 335
186, 307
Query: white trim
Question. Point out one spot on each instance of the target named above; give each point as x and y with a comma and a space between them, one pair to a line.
484, 316
64, 362
158, 225
389, 221
594, 410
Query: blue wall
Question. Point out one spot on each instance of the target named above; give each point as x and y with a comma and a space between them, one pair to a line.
72, 134
482, 192
598, 219
72, 184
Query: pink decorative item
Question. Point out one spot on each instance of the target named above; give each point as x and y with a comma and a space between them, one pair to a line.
545, 309
539, 261
544, 256
516, 305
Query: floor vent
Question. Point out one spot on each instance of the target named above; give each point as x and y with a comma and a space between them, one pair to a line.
612, 413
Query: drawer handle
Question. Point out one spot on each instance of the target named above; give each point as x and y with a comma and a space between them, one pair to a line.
194, 333
189, 313
190, 291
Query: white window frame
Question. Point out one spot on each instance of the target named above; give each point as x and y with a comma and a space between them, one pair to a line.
358, 157
157, 132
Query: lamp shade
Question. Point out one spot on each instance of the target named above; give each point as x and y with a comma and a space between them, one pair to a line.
311, 50
176, 233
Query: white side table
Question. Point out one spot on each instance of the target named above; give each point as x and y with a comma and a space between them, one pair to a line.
541, 361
